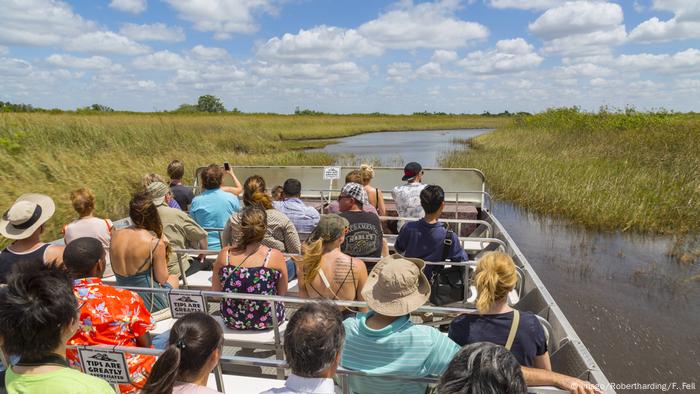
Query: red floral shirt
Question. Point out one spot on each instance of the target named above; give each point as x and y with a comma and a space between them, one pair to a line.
111, 316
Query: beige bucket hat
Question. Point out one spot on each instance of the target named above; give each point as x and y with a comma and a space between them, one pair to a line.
396, 286
158, 191
27, 214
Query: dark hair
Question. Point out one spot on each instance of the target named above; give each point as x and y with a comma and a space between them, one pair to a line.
35, 307
211, 177
252, 227
254, 192
193, 338
483, 367
144, 214
292, 187
307, 352
81, 255
176, 170
431, 197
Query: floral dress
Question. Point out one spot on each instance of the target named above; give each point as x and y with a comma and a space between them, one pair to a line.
112, 316
250, 314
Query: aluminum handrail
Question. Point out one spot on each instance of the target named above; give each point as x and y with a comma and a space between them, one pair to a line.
459, 222
485, 196
281, 364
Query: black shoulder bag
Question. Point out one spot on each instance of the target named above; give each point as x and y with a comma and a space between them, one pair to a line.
447, 284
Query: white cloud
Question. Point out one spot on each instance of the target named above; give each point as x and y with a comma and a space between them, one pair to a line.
222, 17
336, 73
88, 63
507, 57
39, 23
583, 70
443, 56
319, 43
525, 4
430, 70
14, 67
106, 42
132, 6
685, 23
209, 53
425, 25
161, 60
399, 72
3, 50
153, 32
687, 61
581, 28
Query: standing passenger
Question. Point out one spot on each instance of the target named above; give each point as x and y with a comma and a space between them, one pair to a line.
214, 206
374, 195
183, 194
83, 201
407, 196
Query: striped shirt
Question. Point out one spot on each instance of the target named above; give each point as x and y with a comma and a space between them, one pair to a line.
280, 234
400, 348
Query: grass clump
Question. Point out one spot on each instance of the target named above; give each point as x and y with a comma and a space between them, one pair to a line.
623, 170
56, 153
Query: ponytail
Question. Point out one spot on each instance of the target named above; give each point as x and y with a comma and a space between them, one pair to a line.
254, 192
495, 278
310, 261
164, 373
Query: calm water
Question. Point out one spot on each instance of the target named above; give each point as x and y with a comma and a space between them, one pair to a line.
635, 308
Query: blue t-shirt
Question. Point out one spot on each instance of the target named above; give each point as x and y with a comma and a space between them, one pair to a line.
530, 340
212, 209
425, 241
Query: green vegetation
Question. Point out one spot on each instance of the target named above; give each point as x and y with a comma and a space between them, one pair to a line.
612, 170
109, 152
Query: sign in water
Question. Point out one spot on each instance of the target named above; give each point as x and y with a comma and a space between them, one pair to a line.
183, 303
331, 173
110, 366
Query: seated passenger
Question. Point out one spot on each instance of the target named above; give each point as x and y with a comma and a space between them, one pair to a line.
277, 193
483, 367
87, 225
281, 233
213, 207
425, 238
180, 230
325, 271
304, 217
365, 237
251, 268
194, 349
139, 253
496, 322
374, 195
150, 178
407, 196
38, 314
352, 177
23, 223
385, 341
107, 316
182, 194
313, 358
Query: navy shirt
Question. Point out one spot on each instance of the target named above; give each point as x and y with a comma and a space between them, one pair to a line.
183, 195
529, 342
426, 241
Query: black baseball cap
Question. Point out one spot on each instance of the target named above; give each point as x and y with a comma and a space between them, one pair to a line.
411, 170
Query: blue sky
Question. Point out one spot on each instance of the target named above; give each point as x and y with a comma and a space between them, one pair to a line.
352, 56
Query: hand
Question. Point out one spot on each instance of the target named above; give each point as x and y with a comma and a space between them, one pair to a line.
201, 257
578, 386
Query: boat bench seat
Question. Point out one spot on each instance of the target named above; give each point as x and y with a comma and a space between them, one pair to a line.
266, 337
201, 281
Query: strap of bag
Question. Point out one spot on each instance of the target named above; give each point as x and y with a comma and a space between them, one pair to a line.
447, 243
513, 329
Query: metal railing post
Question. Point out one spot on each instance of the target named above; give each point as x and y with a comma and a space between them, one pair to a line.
279, 354
219, 377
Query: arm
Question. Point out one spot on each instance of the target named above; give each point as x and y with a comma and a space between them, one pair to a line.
385, 248
227, 234
54, 255
361, 273
291, 238
144, 340
457, 252
235, 190
160, 266
218, 264
279, 263
381, 209
542, 361
541, 377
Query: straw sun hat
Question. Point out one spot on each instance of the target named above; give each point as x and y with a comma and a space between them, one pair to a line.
396, 286
26, 215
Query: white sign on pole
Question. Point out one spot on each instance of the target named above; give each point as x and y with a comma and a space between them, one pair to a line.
182, 304
107, 365
331, 173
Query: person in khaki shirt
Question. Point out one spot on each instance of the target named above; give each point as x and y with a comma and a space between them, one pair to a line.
180, 229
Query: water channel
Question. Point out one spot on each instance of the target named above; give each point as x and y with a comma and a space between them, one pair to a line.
635, 308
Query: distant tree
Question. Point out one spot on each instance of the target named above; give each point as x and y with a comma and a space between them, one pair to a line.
187, 108
101, 108
209, 103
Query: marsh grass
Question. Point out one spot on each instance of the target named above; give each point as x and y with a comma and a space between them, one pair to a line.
56, 153
625, 170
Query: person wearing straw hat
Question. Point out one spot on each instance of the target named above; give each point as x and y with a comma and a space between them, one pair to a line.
385, 341
24, 223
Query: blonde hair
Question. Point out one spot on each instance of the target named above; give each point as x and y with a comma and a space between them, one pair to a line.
252, 227
310, 260
366, 173
254, 192
495, 278
150, 178
83, 201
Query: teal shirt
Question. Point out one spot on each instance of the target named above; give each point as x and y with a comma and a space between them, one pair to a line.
212, 209
400, 348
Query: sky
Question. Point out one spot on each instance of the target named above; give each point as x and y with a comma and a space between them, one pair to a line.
352, 56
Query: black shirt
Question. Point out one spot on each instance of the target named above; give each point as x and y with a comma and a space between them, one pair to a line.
364, 237
183, 195
8, 259
530, 340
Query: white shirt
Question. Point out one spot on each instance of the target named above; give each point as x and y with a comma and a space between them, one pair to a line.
298, 385
407, 200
